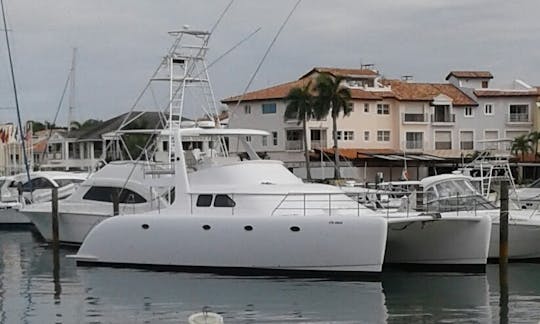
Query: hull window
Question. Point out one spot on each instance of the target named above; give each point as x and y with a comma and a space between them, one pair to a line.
204, 201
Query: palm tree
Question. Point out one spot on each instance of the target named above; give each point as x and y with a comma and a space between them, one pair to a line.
534, 137
334, 98
300, 107
521, 144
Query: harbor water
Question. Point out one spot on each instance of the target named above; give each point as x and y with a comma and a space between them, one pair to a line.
31, 292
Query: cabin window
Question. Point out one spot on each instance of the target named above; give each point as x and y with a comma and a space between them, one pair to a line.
105, 194
204, 201
37, 183
224, 201
65, 182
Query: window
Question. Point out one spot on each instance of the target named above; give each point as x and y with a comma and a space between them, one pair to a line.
224, 201
350, 106
383, 109
469, 112
466, 140
37, 183
443, 140
414, 140
265, 141
274, 138
65, 182
339, 135
165, 146
519, 113
366, 136
315, 134
348, 135
492, 136
294, 139
383, 136
366, 108
484, 84
105, 194
247, 109
488, 109
248, 138
204, 201
269, 108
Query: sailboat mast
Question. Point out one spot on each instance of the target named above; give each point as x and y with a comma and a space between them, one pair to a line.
22, 133
72, 89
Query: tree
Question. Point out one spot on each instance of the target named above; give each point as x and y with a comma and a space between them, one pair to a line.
521, 144
334, 98
300, 107
89, 123
75, 125
534, 137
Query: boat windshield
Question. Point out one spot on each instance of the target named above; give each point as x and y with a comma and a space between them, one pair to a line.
454, 195
535, 184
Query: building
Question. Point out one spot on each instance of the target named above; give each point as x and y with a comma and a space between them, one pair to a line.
393, 122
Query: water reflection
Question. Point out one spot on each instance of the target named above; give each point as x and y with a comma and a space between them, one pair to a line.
33, 291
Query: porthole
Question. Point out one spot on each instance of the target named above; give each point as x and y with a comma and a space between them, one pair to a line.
248, 228
145, 226
206, 227
295, 228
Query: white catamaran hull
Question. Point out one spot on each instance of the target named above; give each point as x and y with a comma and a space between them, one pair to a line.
73, 222
461, 241
337, 245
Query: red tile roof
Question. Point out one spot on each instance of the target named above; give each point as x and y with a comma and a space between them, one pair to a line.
470, 74
280, 91
342, 72
427, 91
357, 153
505, 93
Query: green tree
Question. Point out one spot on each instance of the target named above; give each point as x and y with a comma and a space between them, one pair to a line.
534, 137
89, 123
521, 144
300, 107
75, 125
334, 98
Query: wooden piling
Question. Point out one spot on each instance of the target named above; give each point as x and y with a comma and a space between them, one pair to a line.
503, 224
503, 254
116, 202
54, 215
55, 244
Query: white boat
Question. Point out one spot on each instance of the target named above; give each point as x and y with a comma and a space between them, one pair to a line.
245, 216
92, 201
527, 197
38, 189
455, 192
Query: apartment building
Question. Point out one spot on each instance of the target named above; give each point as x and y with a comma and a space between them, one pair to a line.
442, 120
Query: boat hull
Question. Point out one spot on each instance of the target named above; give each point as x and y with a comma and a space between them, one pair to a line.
446, 243
256, 245
11, 216
523, 240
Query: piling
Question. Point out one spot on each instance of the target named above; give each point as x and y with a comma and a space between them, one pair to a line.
55, 244
420, 198
116, 202
503, 254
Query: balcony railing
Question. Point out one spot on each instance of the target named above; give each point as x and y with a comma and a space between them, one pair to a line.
414, 118
413, 145
443, 145
519, 118
443, 118
293, 145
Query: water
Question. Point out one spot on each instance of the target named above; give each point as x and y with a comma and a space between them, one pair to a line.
29, 294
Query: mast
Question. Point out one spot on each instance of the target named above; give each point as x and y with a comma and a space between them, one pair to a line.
22, 134
72, 89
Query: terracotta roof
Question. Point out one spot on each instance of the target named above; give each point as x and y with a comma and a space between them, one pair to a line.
280, 91
427, 91
470, 74
342, 72
505, 93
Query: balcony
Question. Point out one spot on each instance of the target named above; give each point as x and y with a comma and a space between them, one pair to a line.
294, 145
443, 145
413, 118
519, 118
443, 119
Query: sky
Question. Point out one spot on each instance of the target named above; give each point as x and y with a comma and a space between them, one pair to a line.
121, 42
